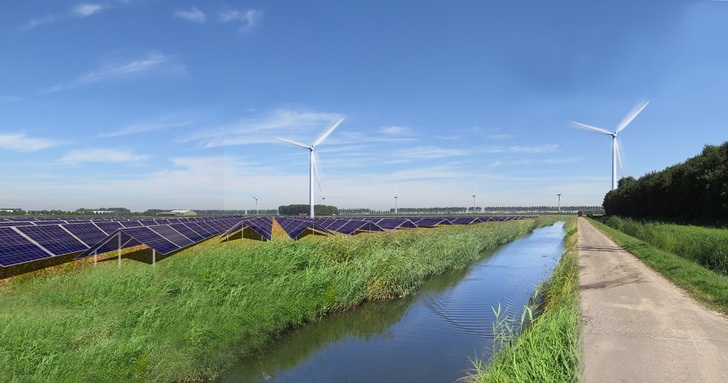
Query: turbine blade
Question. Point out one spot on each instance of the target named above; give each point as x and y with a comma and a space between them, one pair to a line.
316, 172
619, 157
589, 127
294, 143
631, 116
323, 136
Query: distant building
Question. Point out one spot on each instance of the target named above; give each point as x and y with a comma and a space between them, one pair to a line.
178, 213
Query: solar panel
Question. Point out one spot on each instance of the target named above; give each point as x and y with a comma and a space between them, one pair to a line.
199, 229
172, 235
108, 226
187, 232
16, 249
86, 232
53, 238
111, 243
146, 236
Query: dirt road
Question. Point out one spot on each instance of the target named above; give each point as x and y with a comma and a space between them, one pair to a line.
637, 326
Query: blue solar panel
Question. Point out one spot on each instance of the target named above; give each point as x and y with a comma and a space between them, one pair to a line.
199, 229
54, 239
172, 235
16, 249
148, 237
86, 232
111, 243
187, 232
108, 226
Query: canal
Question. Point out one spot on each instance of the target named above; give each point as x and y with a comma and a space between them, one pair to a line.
431, 336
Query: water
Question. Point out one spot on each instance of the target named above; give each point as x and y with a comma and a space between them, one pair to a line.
432, 336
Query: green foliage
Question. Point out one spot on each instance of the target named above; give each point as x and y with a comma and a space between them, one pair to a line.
300, 209
693, 191
194, 314
707, 247
548, 350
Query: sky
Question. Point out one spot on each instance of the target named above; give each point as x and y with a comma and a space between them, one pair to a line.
152, 104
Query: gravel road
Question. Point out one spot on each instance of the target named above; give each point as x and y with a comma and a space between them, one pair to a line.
639, 327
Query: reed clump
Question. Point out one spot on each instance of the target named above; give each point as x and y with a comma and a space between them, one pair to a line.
194, 314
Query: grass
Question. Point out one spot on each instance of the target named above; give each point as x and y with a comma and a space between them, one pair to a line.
705, 285
548, 349
195, 314
705, 246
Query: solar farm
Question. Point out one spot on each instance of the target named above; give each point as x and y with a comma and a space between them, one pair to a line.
25, 239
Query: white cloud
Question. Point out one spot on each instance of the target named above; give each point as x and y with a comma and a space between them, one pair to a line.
546, 148
287, 123
32, 23
19, 142
166, 122
426, 153
249, 18
150, 63
85, 10
103, 155
195, 15
395, 130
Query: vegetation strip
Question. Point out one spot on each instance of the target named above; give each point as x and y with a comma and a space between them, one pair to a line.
548, 350
706, 286
193, 315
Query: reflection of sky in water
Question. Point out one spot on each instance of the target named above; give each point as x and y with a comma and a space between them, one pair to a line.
430, 337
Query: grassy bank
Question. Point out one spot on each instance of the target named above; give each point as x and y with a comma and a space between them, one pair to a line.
705, 246
196, 313
548, 351
707, 286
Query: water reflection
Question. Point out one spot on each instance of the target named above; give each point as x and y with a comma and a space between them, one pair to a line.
429, 337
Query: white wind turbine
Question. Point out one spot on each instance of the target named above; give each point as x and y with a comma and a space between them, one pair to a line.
615, 146
312, 162
256, 204
475, 198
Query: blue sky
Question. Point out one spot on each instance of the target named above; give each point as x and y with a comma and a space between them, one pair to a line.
175, 104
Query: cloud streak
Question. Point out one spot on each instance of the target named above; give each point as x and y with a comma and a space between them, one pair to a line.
19, 142
103, 155
85, 10
151, 63
249, 18
194, 15
166, 122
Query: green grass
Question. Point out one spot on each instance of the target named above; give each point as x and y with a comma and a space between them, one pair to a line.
707, 286
196, 313
548, 349
703, 245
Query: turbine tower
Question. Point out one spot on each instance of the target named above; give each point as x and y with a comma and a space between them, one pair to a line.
475, 197
312, 161
256, 204
558, 206
396, 197
615, 146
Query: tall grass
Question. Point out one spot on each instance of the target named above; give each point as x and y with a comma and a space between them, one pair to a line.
194, 314
548, 349
705, 246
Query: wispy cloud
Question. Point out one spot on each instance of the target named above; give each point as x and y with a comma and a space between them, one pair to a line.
166, 122
425, 153
35, 22
248, 18
194, 14
395, 130
288, 123
102, 155
151, 63
19, 142
86, 9
546, 148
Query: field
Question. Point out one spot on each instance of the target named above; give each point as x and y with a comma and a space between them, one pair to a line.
196, 313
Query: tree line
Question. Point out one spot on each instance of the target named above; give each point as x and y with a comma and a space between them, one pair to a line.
301, 209
695, 191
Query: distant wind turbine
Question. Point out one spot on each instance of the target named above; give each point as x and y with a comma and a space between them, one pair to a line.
396, 197
615, 147
256, 204
312, 162
475, 197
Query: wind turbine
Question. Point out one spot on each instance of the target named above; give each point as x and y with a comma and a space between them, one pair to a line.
615, 147
558, 207
475, 197
396, 197
312, 161
256, 204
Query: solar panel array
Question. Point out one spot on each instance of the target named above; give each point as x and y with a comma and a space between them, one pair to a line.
26, 239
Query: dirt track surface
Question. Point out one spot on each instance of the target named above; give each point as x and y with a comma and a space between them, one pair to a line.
639, 327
